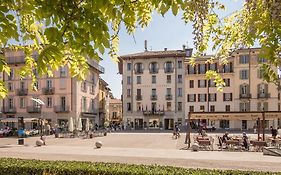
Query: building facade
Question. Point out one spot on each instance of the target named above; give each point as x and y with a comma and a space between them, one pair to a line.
244, 89
153, 88
64, 96
115, 111
104, 97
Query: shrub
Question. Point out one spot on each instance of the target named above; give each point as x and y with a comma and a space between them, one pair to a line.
9, 166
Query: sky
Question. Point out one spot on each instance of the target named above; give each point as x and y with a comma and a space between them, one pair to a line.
163, 32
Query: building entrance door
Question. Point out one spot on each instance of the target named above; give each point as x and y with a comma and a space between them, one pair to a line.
138, 123
169, 124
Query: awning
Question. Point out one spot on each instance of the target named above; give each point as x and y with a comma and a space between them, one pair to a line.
14, 120
270, 115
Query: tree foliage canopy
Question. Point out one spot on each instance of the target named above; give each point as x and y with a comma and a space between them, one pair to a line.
67, 32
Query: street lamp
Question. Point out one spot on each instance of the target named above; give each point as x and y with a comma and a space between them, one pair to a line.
41, 103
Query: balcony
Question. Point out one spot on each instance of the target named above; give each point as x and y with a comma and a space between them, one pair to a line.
22, 92
153, 71
33, 109
169, 70
61, 109
90, 113
263, 95
154, 112
138, 71
153, 97
48, 91
9, 110
169, 97
245, 96
96, 65
138, 97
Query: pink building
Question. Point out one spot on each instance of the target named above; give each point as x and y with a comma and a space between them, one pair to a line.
64, 96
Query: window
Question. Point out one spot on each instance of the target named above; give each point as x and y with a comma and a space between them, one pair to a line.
153, 92
262, 106
11, 76
129, 107
202, 83
260, 73
49, 84
202, 108
227, 108
84, 86
49, 102
36, 85
224, 123
10, 103
128, 92
138, 68
191, 108
84, 104
129, 66
179, 78
22, 102
138, 79
153, 68
153, 79
168, 67
244, 89
213, 66
202, 97
179, 92
10, 86
191, 69
212, 108
244, 74
22, 85
227, 96
244, 59
202, 68
212, 83
227, 82
180, 64
92, 105
114, 115
245, 106
262, 60
213, 97
191, 97
179, 106
63, 72
169, 106
227, 68
128, 80
139, 107
168, 91
169, 78
191, 83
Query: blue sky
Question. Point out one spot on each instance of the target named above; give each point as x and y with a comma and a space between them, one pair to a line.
163, 32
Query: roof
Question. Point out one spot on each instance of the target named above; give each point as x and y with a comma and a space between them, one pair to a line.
102, 81
115, 101
154, 54
159, 54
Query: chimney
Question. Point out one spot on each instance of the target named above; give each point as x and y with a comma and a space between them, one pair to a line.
165, 49
183, 47
145, 45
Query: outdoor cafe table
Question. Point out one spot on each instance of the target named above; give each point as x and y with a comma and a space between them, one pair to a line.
258, 144
232, 143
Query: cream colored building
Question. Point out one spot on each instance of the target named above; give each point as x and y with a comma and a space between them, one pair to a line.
245, 89
156, 98
153, 88
115, 111
64, 97
104, 97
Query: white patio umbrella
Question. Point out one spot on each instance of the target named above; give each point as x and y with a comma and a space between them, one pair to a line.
70, 125
87, 124
79, 124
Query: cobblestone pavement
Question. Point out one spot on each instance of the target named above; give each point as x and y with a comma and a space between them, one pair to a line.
138, 148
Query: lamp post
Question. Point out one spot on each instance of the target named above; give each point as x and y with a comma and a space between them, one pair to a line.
41, 103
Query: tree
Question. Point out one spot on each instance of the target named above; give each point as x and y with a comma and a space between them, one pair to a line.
68, 32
